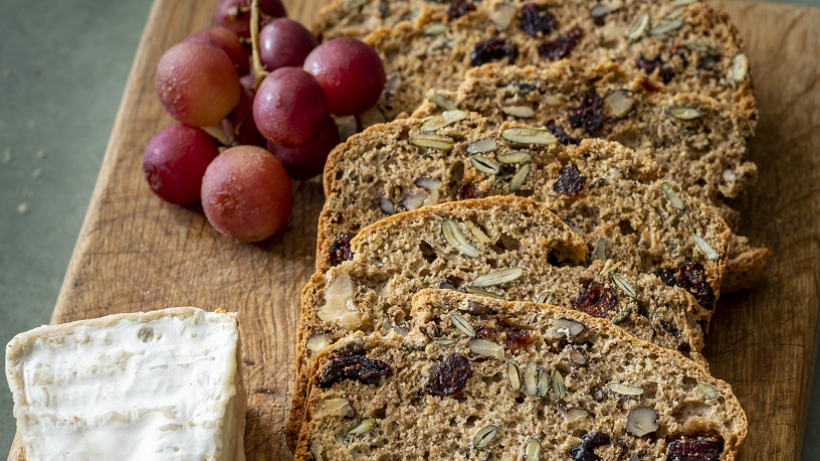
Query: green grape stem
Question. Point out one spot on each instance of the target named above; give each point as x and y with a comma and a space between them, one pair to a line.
257, 68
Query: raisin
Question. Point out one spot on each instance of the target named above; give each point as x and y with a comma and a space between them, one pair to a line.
569, 181
340, 250
697, 448
692, 278
446, 284
589, 442
534, 19
590, 114
384, 9
449, 377
486, 332
707, 62
357, 367
491, 50
560, 47
596, 300
559, 134
517, 339
479, 309
466, 191
459, 8
666, 276
666, 72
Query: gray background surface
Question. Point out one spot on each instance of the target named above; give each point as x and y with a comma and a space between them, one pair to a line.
63, 67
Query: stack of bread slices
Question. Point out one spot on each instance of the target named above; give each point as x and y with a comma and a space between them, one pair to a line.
520, 255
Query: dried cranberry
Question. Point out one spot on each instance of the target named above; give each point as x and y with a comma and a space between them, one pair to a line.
697, 448
358, 367
459, 8
589, 442
517, 339
692, 278
465, 191
534, 19
446, 284
479, 309
596, 300
590, 114
666, 276
340, 250
666, 72
569, 181
559, 134
491, 50
486, 332
560, 47
449, 377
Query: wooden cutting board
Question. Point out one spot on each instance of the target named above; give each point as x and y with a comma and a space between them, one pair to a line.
136, 252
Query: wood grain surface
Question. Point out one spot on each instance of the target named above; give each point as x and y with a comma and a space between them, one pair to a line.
137, 253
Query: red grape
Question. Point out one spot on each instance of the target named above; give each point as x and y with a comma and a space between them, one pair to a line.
197, 83
285, 43
350, 72
242, 117
227, 41
290, 108
246, 194
309, 160
175, 160
273, 8
235, 14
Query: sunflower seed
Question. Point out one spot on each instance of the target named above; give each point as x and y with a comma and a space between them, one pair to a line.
620, 103
684, 112
433, 141
621, 316
414, 201
568, 328
502, 15
739, 68
441, 101
602, 9
677, 3
392, 85
337, 407
609, 266
360, 428
519, 177
529, 136
574, 414
641, 421
444, 342
673, 196
638, 27
477, 233
578, 357
705, 248
484, 293
544, 382
531, 378
532, 452
443, 119
623, 285
351, 5
481, 146
499, 277
386, 206
484, 436
544, 298
514, 375
666, 27
701, 47
486, 348
436, 29
463, 325
519, 111
708, 391
624, 389
558, 387
318, 342
518, 156
599, 253
484, 164
455, 237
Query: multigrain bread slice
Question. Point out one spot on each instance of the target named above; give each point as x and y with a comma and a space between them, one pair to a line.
536, 382
610, 195
703, 55
502, 247
358, 18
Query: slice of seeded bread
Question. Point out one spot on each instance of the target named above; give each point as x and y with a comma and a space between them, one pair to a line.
534, 382
503, 247
357, 18
609, 195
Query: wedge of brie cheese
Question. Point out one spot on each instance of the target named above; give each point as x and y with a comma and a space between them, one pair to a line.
163, 385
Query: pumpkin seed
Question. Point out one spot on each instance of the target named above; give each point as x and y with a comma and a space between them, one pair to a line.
443, 119
486, 348
739, 68
484, 164
499, 277
455, 237
638, 27
620, 103
484, 436
484, 293
386, 206
514, 375
701, 47
436, 29
602, 9
351, 5
532, 452
544, 298
477, 233
558, 386
641, 421
623, 315
519, 177
600, 250
624, 389
704, 247
529, 136
544, 382
672, 196
519, 111
444, 342
433, 141
463, 325
531, 378
623, 285
666, 27
441, 101
481, 146
360, 428
708, 391
518, 156
677, 3
684, 112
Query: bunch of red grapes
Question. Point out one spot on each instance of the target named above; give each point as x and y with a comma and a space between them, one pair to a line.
274, 102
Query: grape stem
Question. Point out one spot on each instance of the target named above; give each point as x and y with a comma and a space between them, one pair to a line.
257, 68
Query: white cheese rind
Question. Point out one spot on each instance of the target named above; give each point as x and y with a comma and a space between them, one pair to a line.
163, 385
